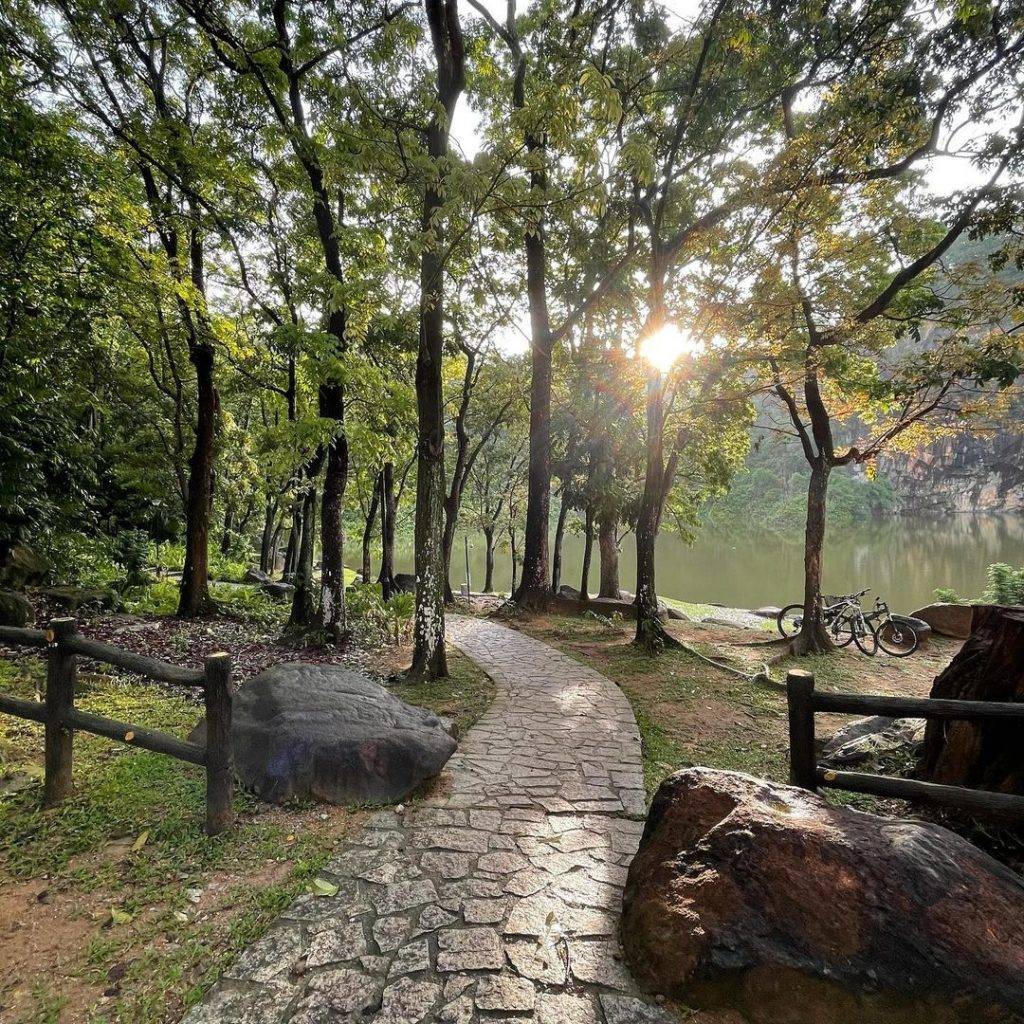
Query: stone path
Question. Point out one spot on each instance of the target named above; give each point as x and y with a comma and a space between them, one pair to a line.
496, 901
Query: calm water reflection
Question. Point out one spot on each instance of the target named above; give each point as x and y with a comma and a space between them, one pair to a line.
901, 559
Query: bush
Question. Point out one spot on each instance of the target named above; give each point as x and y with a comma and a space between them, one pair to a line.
376, 618
1005, 584
98, 562
947, 595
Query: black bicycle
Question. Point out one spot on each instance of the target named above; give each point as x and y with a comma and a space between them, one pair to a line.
895, 635
843, 617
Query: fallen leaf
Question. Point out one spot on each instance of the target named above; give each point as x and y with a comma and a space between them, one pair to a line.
141, 841
321, 887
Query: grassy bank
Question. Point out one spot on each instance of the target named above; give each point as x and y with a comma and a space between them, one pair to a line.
692, 713
115, 906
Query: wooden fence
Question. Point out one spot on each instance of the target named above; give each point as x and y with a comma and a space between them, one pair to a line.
804, 771
63, 645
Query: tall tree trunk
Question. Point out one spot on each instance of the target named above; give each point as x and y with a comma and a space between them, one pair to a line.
291, 554
556, 555
608, 542
451, 512
813, 637
303, 607
514, 554
368, 528
332, 513
650, 631
388, 511
429, 659
588, 550
534, 589
489, 559
267, 536
194, 596
225, 537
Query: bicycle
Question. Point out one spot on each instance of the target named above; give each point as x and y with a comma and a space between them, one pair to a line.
843, 618
895, 637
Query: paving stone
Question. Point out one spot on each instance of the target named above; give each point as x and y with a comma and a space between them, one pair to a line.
408, 1001
540, 816
336, 992
390, 932
458, 1011
502, 863
270, 958
505, 992
484, 911
469, 949
254, 1004
403, 896
527, 882
562, 1008
335, 944
630, 1010
599, 963
432, 918
411, 959
445, 864
538, 962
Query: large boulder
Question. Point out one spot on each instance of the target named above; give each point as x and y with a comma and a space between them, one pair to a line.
765, 899
23, 567
326, 733
72, 599
867, 741
15, 609
947, 619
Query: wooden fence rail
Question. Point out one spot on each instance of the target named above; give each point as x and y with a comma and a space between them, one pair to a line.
804, 771
63, 646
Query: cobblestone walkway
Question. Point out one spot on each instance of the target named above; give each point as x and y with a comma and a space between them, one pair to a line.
496, 901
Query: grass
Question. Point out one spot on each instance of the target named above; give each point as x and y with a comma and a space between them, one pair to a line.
114, 906
463, 696
151, 907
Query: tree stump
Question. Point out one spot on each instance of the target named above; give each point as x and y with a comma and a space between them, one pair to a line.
989, 667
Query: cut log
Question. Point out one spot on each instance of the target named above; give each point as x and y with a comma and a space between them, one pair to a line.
989, 667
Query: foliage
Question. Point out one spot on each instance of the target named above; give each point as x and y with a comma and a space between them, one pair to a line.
1005, 584
771, 493
948, 595
377, 619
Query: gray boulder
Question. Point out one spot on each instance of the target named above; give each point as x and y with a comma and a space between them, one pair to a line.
15, 609
867, 740
278, 591
256, 576
947, 619
23, 567
570, 593
405, 582
326, 733
71, 599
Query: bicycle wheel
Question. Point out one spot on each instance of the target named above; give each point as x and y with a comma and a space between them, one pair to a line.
840, 630
865, 639
789, 620
897, 638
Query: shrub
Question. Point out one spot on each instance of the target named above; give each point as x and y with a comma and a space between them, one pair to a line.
1005, 584
947, 595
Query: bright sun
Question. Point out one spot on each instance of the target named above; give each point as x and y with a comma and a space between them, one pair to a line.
668, 344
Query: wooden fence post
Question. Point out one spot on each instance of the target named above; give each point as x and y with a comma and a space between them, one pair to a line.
217, 695
61, 673
800, 698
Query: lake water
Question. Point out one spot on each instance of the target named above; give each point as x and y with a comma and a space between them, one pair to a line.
902, 560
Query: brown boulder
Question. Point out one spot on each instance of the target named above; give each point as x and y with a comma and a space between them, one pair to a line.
947, 619
765, 899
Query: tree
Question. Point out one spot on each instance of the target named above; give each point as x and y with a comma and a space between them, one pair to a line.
429, 658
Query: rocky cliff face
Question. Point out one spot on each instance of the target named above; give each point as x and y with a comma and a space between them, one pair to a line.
961, 474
